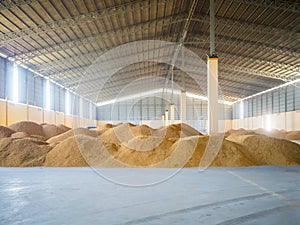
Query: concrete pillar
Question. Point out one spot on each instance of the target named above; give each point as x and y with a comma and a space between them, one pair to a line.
172, 113
212, 90
166, 117
80, 118
163, 119
183, 107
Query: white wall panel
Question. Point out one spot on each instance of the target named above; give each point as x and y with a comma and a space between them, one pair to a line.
35, 114
3, 113
59, 118
16, 113
49, 116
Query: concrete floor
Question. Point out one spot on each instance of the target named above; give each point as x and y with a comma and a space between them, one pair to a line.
257, 195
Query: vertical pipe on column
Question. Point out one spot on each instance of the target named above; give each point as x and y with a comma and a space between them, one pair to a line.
212, 28
172, 113
183, 106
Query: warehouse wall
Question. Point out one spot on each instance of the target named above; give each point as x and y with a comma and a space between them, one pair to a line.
276, 109
32, 103
225, 124
289, 121
11, 113
148, 110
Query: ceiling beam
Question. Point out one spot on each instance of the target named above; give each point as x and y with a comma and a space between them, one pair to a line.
135, 73
247, 69
112, 85
94, 54
230, 91
195, 39
251, 71
107, 35
293, 7
85, 18
9, 4
285, 34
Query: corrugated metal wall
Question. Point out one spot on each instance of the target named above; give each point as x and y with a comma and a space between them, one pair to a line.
284, 99
152, 107
32, 91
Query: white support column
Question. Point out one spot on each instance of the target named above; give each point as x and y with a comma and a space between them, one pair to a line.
183, 107
212, 87
167, 117
172, 113
163, 119
80, 107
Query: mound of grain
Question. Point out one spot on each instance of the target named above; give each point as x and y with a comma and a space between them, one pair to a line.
65, 154
238, 132
230, 154
144, 143
176, 131
41, 138
51, 130
24, 152
102, 131
20, 135
59, 138
28, 127
280, 134
120, 134
118, 124
293, 135
233, 155
265, 150
133, 158
194, 161
69, 153
236, 151
141, 131
82, 150
171, 131
109, 136
188, 131
180, 152
63, 127
5, 132
104, 126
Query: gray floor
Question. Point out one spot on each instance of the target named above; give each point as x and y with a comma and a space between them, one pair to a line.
257, 195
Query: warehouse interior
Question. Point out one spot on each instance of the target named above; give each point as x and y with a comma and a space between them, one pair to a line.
167, 111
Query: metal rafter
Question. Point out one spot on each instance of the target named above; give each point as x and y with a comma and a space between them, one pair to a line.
120, 81
121, 31
246, 44
277, 4
182, 38
9, 4
91, 56
247, 26
249, 70
253, 79
80, 71
274, 50
284, 67
10, 37
111, 91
